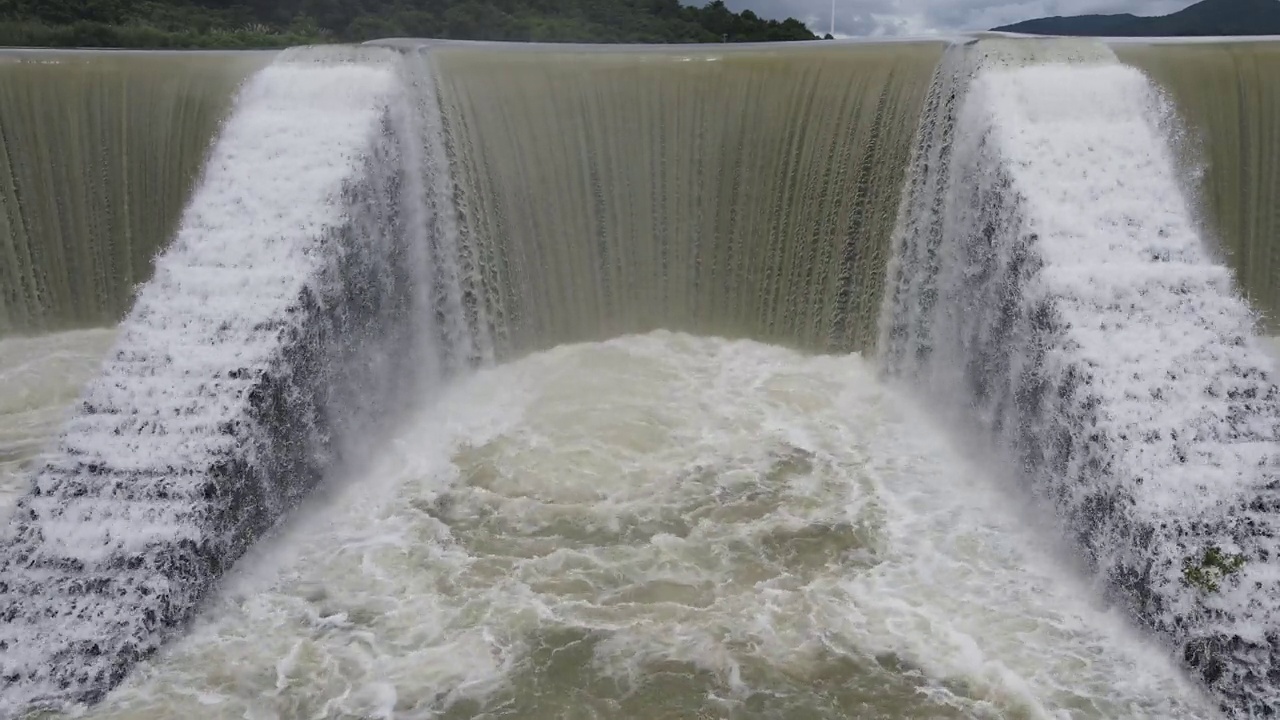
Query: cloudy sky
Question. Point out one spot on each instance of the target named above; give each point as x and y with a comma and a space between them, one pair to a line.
923, 17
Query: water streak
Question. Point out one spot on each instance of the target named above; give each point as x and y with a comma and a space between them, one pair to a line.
737, 193
98, 153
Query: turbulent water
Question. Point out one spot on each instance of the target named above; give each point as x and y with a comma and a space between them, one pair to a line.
1227, 94
39, 377
1051, 285
658, 526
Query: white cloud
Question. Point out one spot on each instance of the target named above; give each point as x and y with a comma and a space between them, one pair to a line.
926, 17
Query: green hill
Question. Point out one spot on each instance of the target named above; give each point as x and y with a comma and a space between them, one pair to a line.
277, 23
1206, 18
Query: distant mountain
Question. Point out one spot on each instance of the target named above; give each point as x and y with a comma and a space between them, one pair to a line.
1209, 17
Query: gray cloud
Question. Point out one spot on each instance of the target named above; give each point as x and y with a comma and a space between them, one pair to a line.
928, 17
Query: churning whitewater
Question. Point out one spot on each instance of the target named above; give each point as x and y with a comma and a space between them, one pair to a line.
450, 399
39, 377
1052, 282
662, 526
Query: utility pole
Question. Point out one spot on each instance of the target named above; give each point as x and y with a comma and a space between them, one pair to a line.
833, 18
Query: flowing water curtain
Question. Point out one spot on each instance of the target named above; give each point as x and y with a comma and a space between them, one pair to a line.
745, 193
98, 153
1227, 93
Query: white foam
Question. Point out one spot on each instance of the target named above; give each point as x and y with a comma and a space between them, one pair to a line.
683, 505
243, 254
1128, 272
123, 483
1052, 283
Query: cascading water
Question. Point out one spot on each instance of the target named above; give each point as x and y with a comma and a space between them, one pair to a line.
661, 526
274, 328
98, 153
1226, 93
39, 377
658, 523
1050, 282
450, 281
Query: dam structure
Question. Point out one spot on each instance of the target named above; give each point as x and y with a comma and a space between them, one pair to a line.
1058, 251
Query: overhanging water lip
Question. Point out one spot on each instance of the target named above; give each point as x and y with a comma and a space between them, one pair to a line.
943, 38
25, 51
498, 45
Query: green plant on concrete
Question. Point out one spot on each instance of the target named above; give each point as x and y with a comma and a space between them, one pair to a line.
1207, 571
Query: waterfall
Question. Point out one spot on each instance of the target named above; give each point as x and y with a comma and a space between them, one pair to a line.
1010, 230
742, 193
445, 297
1051, 285
279, 327
98, 153
1227, 94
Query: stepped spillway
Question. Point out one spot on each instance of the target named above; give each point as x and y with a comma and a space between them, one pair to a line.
214, 411
98, 154
1050, 283
1229, 143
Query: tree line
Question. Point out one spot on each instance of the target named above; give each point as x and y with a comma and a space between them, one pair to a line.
280, 23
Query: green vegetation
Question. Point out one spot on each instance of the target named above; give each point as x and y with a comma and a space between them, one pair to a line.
1206, 18
1208, 571
279, 23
